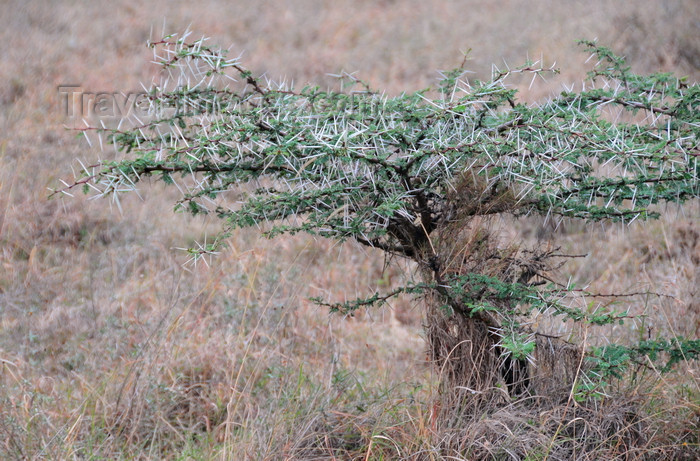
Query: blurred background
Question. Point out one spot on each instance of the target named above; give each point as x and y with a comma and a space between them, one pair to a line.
112, 347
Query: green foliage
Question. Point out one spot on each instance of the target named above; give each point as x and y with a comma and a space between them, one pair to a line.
385, 171
613, 360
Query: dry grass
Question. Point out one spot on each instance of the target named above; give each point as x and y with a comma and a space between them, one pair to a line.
109, 349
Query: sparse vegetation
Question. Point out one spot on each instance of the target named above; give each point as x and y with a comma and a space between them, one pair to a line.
422, 179
111, 350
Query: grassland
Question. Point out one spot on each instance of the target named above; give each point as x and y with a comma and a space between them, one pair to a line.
112, 348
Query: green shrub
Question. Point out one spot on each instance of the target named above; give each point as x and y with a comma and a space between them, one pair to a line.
421, 176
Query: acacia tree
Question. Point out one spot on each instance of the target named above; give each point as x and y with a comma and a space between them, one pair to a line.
421, 176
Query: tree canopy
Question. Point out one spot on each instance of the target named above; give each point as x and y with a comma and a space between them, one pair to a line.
392, 172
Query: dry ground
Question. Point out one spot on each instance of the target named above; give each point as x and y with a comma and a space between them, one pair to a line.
111, 349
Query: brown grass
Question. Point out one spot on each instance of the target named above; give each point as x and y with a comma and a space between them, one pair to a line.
110, 349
